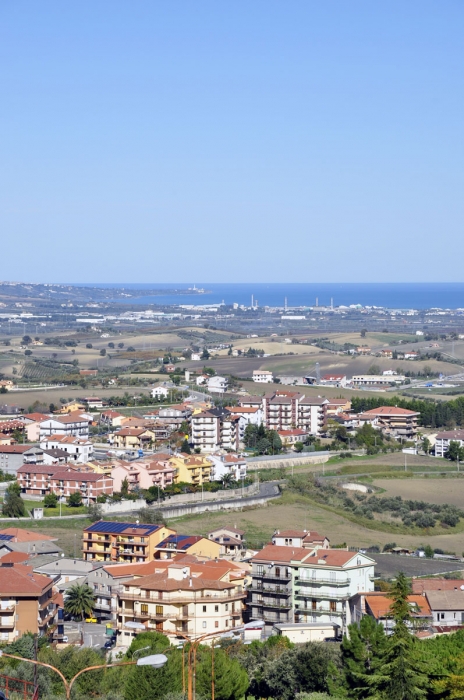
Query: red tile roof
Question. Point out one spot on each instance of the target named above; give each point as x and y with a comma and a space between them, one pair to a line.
20, 580
20, 535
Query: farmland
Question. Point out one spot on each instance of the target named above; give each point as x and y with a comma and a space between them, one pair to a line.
433, 490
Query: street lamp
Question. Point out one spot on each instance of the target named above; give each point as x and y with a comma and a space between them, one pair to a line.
154, 660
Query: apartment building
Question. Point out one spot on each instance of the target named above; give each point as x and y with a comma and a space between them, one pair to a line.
63, 481
217, 385
27, 602
134, 438
443, 439
232, 541
191, 469
296, 584
185, 598
394, 421
72, 424
286, 410
228, 464
195, 545
143, 474
122, 542
262, 376
214, 429
79, 450
376, 379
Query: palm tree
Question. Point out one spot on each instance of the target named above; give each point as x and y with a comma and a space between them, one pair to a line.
79, 601
227, 480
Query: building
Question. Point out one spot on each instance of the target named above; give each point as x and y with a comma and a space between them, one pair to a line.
394, 421
40, 480
443, 439
191, 469
217, 385
447, 607
111, 418
377, 379
232, 541
296, 584
186, 597
134, 438
216, 428
46, 457
72, 407
160, 392
290, 437
142, 474
379, 607
11, 457
286, 410
27, 601
225, 464
122, 542
72, 424
79, 450
309, 539
262, 376
301, 632
335, 406
196, 545
334, 380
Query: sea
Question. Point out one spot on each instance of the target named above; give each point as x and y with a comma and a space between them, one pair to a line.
446, 295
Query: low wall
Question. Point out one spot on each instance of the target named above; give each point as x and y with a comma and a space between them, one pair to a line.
256, 463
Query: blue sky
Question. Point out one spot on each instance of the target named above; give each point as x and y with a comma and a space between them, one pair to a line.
253, 141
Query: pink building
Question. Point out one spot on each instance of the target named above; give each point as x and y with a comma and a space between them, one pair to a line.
143, 474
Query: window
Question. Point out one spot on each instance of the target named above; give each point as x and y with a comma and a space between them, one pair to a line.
227, 623
204, 608
216, 608
203, 624
333, 606
144, 609
159, 609
227, 607
216, 623
277, 571
313, 604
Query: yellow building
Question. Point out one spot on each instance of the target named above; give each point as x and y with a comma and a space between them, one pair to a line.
191, 469
187, 544
122, 542
71, 407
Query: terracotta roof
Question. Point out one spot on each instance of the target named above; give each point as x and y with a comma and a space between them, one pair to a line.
20, 535
230, 529
290, 533
390, 411
380, 605
272, 552
36, 417
14, 558
422, 585
295, 431
20, 580
14, 449
74, 475
242, 409
161, 582
132, 432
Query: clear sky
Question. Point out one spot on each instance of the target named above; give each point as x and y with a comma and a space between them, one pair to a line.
245, 141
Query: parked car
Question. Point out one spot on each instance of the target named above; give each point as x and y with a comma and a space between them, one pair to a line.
91, 619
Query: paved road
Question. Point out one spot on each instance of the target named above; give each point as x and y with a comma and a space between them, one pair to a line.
94, 633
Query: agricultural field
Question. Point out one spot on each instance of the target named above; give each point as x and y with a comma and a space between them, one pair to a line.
434, 490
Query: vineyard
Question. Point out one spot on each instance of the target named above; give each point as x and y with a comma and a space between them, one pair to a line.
44, 370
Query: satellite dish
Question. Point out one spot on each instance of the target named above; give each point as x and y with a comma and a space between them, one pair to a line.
185, 572
137, 522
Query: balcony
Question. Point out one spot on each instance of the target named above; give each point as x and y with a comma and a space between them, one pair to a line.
318, 611
268, 589
183, 599
323, 595
340, 581
273, 604
273, 577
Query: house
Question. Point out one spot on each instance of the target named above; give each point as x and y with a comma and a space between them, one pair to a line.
296, 584
395, 421
334, 380
79, 450
379, 607
216, 428
247, 416
169, 368
443, 439
302, 632
8, 427
42, 456
112, 418
187, 544
262, 376
122, 542
6, 384
285, 410
7, 439
7, 411
71, 424
191, 469
134, 438
422, 585
143, 474
290, 437
88, 372
335, 406
362, 350
160, 392
201, 379
232, 541
412, 355
11, 457
195, 357
447, 607
309, 539
93, 402
225, 464
27, 601
217, 385
183, 597
386, 353
72, 407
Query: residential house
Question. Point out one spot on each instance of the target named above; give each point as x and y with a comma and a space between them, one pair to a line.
411, 355
189, 598
262, 376
7, 411
394, 421
335, 406
74, 424
142, 474
232, 541
191, 469
15, 541
379, 607
39, 455
6, 384
7, 439
217, 385
8, 427
225, 464
362, 350
27, 602
296, 584
122, 542
309, 539
187, 544
112, 418
290, 437
447, 607
72, 407
160, 392
79, 450
443, 439
134, 438
63, 481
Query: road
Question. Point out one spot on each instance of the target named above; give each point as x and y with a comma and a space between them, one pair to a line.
94, 633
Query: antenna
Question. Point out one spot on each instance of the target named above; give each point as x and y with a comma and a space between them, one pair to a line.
318, 373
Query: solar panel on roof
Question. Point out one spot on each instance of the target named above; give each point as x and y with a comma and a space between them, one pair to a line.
116, 527
6, 537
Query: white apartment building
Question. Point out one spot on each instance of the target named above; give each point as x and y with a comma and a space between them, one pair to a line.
160, 392
71, 424
262, 376
443, 439
79, 450
216, 428
224, 464
285, 410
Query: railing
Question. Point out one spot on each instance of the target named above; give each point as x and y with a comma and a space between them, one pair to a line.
318, 611
272, 604
277, 589
282, 577
324, 595
183, 599
321, 581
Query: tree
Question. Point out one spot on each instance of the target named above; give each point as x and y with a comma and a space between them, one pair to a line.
28, 352
428, 551
13, 504
311, 667
455, 452
230, 679
151, 517
79, 601
125, 487
250, 437
3, 390
89, 346
75, 499
185, 447
26, 340
111, 345
362, 652
205, 354
145, 682
298, 446
103, 352
401, 675
363, 333
374, 369
51, 500
120, 346
426, 445
95, 512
